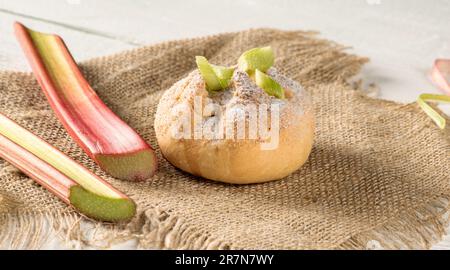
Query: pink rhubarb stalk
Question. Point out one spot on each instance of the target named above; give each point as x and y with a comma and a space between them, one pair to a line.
108, 140
61, 175
440, 74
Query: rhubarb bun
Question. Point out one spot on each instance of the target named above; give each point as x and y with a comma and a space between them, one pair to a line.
239, 135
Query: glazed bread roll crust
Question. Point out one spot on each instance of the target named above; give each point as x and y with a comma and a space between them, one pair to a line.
235, 159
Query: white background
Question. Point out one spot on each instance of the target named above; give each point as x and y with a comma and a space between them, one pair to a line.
401, 37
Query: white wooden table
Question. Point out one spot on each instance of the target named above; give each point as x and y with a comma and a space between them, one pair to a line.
402, 37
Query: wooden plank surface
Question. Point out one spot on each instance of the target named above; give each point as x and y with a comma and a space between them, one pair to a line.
401, 37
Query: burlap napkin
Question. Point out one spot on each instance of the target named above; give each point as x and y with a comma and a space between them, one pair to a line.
378, 176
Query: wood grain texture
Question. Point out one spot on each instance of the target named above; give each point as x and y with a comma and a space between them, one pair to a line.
402, 37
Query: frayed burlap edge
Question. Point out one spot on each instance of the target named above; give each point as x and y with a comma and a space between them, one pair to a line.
419, 228
159, 230
156, 228
428, 227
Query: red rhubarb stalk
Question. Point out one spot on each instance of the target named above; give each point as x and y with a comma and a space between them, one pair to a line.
440, 74
61, 175
108, 140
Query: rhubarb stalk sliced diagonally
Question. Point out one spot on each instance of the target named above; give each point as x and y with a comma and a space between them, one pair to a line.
64, 177
432, 113
108, 140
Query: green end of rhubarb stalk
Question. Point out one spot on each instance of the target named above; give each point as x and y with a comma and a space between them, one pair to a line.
269, 85
101, 208
257, 58
137, 166
216, 77
433, 114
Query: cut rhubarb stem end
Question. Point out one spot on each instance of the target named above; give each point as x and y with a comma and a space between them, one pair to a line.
98, 131
133, 166
101, 208
61, 175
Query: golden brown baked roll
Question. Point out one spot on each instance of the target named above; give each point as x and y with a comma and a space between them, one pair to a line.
240, 135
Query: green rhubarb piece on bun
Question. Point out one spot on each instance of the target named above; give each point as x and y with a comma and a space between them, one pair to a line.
216, 77
269, 85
